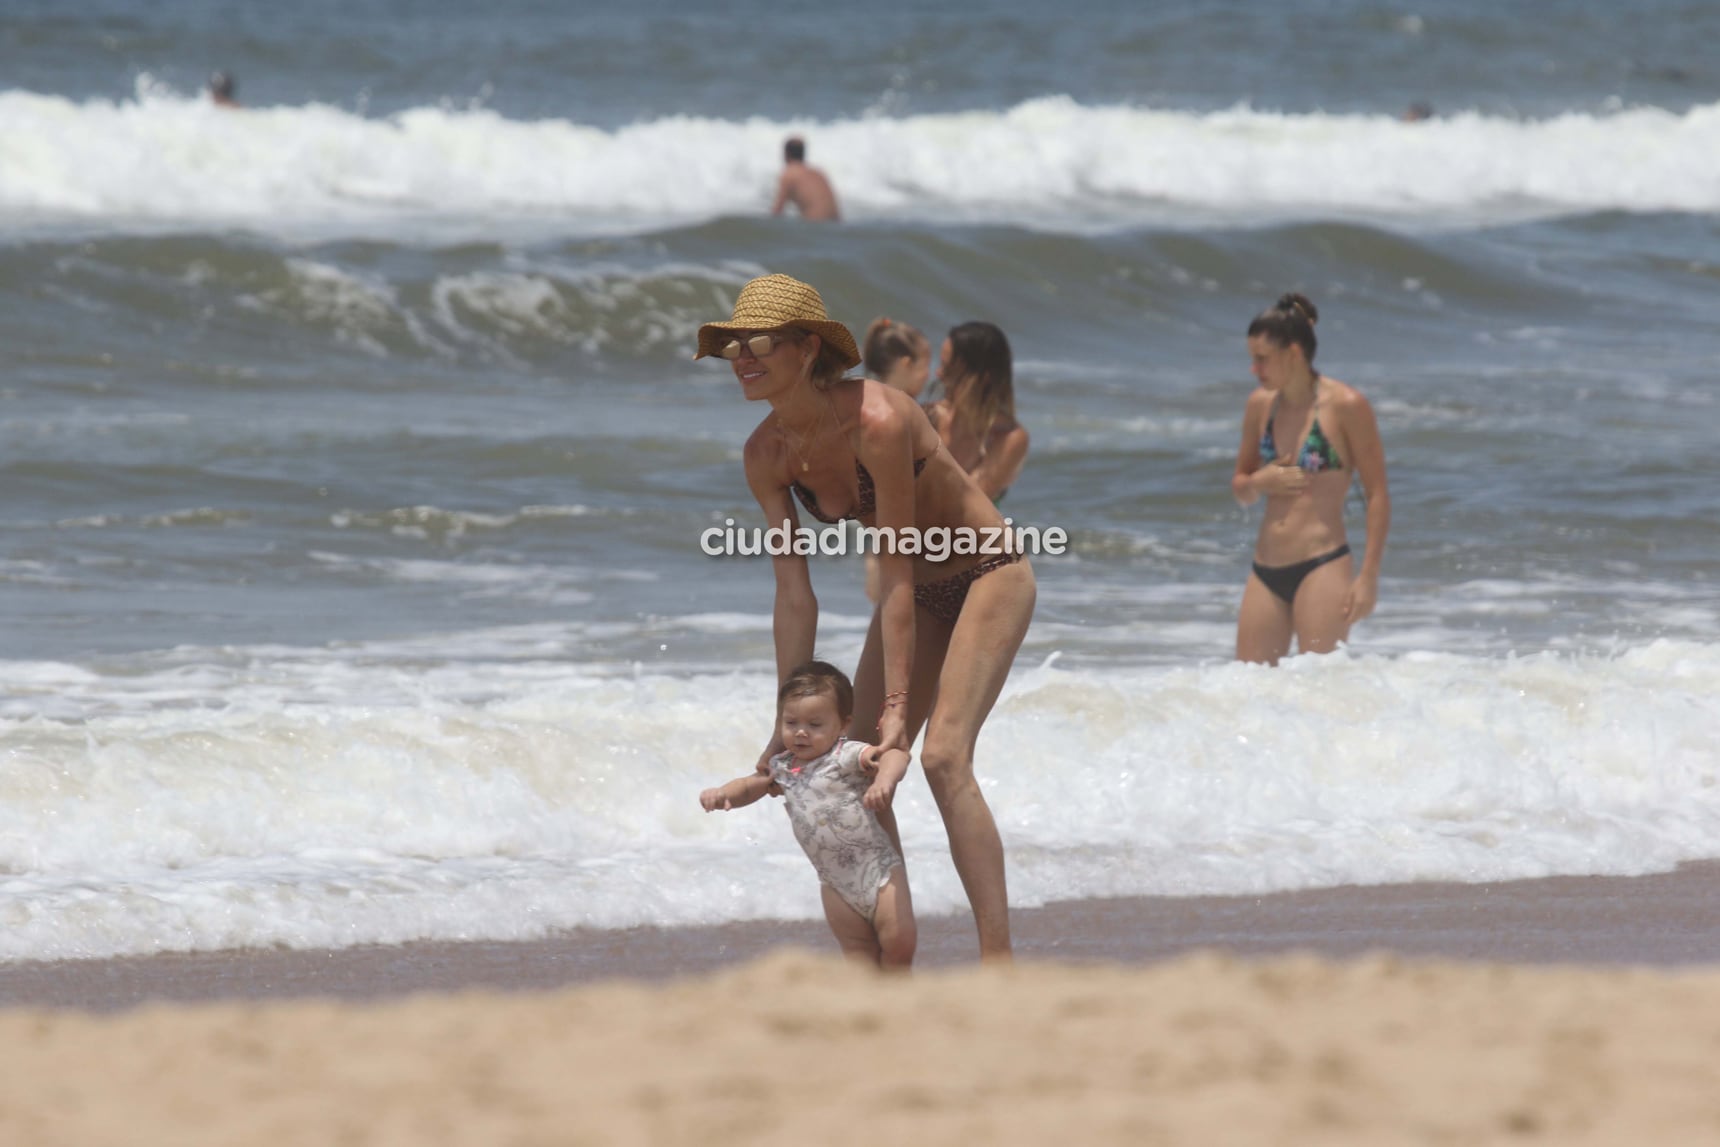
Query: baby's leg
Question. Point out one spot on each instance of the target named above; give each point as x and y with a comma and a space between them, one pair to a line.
893, 920
853, 933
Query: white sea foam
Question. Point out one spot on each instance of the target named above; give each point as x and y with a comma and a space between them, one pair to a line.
214, 798
166, 159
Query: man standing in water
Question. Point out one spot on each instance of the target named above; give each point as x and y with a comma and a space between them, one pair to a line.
804, 186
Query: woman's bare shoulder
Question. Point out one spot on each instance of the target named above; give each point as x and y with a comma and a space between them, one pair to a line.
891, 420
886, 410
1007, 437
1337, 388
764, 446
1343, 396
1259, 402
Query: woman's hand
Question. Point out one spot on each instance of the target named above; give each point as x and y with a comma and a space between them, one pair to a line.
1280, 481
774, 749
1359, 601
893, 728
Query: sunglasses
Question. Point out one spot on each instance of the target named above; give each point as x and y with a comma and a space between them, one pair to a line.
757, 345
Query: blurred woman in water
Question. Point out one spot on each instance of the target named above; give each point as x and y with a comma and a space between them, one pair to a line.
975, 418
897, 355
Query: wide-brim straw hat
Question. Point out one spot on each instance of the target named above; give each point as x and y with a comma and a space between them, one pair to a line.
771, 302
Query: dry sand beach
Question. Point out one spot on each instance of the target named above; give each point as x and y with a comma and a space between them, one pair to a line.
797, 1048
1572, 1010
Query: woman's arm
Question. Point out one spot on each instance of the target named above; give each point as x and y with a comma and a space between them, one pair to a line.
738, 793
1368, 456
885, 445
935, 414
1248, 454
794, 617
1252, 477
1001, 466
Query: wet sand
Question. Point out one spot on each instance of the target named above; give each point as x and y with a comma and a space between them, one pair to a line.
1662, 920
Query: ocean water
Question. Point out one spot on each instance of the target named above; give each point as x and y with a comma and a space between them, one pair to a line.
355, 462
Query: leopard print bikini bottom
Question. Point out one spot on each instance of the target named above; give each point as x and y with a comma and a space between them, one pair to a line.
943, 599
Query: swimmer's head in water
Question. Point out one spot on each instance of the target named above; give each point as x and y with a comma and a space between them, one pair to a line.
1289, 322
794, 150
222, 86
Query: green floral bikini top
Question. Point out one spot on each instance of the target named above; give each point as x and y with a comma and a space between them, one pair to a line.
1317, 454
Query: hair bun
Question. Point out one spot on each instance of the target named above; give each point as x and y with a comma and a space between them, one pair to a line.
1301, 304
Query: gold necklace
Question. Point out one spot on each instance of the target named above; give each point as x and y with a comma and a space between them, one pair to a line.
795, 442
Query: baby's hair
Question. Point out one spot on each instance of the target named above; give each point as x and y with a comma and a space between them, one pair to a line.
887, 343
816, 678
1289, 322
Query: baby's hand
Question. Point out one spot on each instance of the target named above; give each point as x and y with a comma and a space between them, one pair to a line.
880, 795
712, 800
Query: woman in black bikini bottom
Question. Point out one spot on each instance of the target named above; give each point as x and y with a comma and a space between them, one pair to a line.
1305, 438
1284, 581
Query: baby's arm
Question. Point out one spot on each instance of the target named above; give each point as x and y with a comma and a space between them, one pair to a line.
892, 766
738, 793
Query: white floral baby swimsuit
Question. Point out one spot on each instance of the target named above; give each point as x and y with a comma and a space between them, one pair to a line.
844, 841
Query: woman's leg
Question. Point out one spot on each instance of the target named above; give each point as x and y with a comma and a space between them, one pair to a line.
982, 647
854, 933
1319, 606
1263, 625
931, 639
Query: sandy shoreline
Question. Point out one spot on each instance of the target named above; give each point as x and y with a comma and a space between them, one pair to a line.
1468, 1024
1661, 920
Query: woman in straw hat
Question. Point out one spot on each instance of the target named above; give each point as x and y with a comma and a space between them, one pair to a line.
944, 633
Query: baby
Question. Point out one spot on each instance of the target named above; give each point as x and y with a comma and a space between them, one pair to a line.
833, 789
